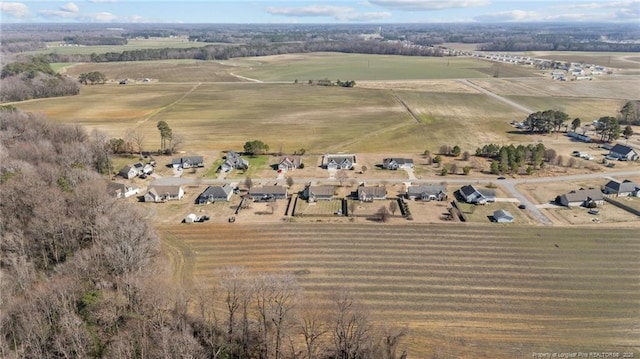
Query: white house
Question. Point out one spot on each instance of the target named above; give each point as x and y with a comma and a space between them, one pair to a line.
621, 189
121, 190
427, 193
623, 153
397, 163
163, 193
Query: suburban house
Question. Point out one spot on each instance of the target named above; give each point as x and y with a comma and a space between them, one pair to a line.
268, 193
289, 163
472, 195
121, 190
188, 162
581, 197
369, 194
502, 216
215, 194
135, 170
163, 193
623, 153
623, 189
427, 193
234, 161
315, 193
128, 172
339, 162
397, 163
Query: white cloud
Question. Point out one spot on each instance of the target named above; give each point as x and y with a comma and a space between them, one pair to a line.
70, 7
428, 5
313, 10
601, 5
102, 1
507, 16
69, 10
341, 13
15, 9
100, 17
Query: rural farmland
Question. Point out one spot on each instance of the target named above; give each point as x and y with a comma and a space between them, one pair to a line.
465, 291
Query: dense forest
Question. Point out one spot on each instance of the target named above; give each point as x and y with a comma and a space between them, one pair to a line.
34, 78
81, 275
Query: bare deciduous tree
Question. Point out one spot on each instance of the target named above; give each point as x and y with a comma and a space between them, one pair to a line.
351, 327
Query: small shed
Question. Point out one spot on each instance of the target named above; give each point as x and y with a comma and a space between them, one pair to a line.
190, 218
502, 216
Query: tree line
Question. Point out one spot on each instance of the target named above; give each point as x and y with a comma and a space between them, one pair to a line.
34, 78
81, 275
226, 51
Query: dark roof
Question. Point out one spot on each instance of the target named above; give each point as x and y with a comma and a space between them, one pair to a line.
216, 192
621, 149
267, 190
621, 187
190, 159
399, 161
468, 190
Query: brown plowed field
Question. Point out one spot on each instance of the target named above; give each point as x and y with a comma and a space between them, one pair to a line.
465, 291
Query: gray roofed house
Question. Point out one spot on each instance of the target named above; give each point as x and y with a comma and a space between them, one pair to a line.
234, 161
369, 194
623, 152
472, 195
427, 193
128, 172
188, 162
503, 216
268, 193
342, 162
624, 188
582, 197
315, 193
289, 163
163, 193
396, 163
215, 194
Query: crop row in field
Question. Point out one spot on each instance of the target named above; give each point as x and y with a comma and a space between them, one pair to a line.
462, 291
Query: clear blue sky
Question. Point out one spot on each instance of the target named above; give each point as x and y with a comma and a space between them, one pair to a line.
320, 11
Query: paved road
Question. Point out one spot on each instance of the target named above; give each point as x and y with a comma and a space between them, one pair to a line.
508, 184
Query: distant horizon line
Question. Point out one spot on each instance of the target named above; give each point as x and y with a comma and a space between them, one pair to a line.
108, 24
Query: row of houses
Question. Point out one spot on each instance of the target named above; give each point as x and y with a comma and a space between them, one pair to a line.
592, 197
312, 193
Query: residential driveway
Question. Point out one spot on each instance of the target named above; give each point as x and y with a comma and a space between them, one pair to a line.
332, 173
507, 199
177, 172
410, 173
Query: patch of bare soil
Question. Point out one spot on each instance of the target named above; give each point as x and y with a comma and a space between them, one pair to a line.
443, 86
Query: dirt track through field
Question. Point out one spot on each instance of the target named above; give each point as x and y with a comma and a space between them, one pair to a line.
463, 291
498, 97
164, 108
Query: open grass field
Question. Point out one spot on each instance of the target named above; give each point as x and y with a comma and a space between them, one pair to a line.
370, 118
162, 71
464, 291
358, 67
